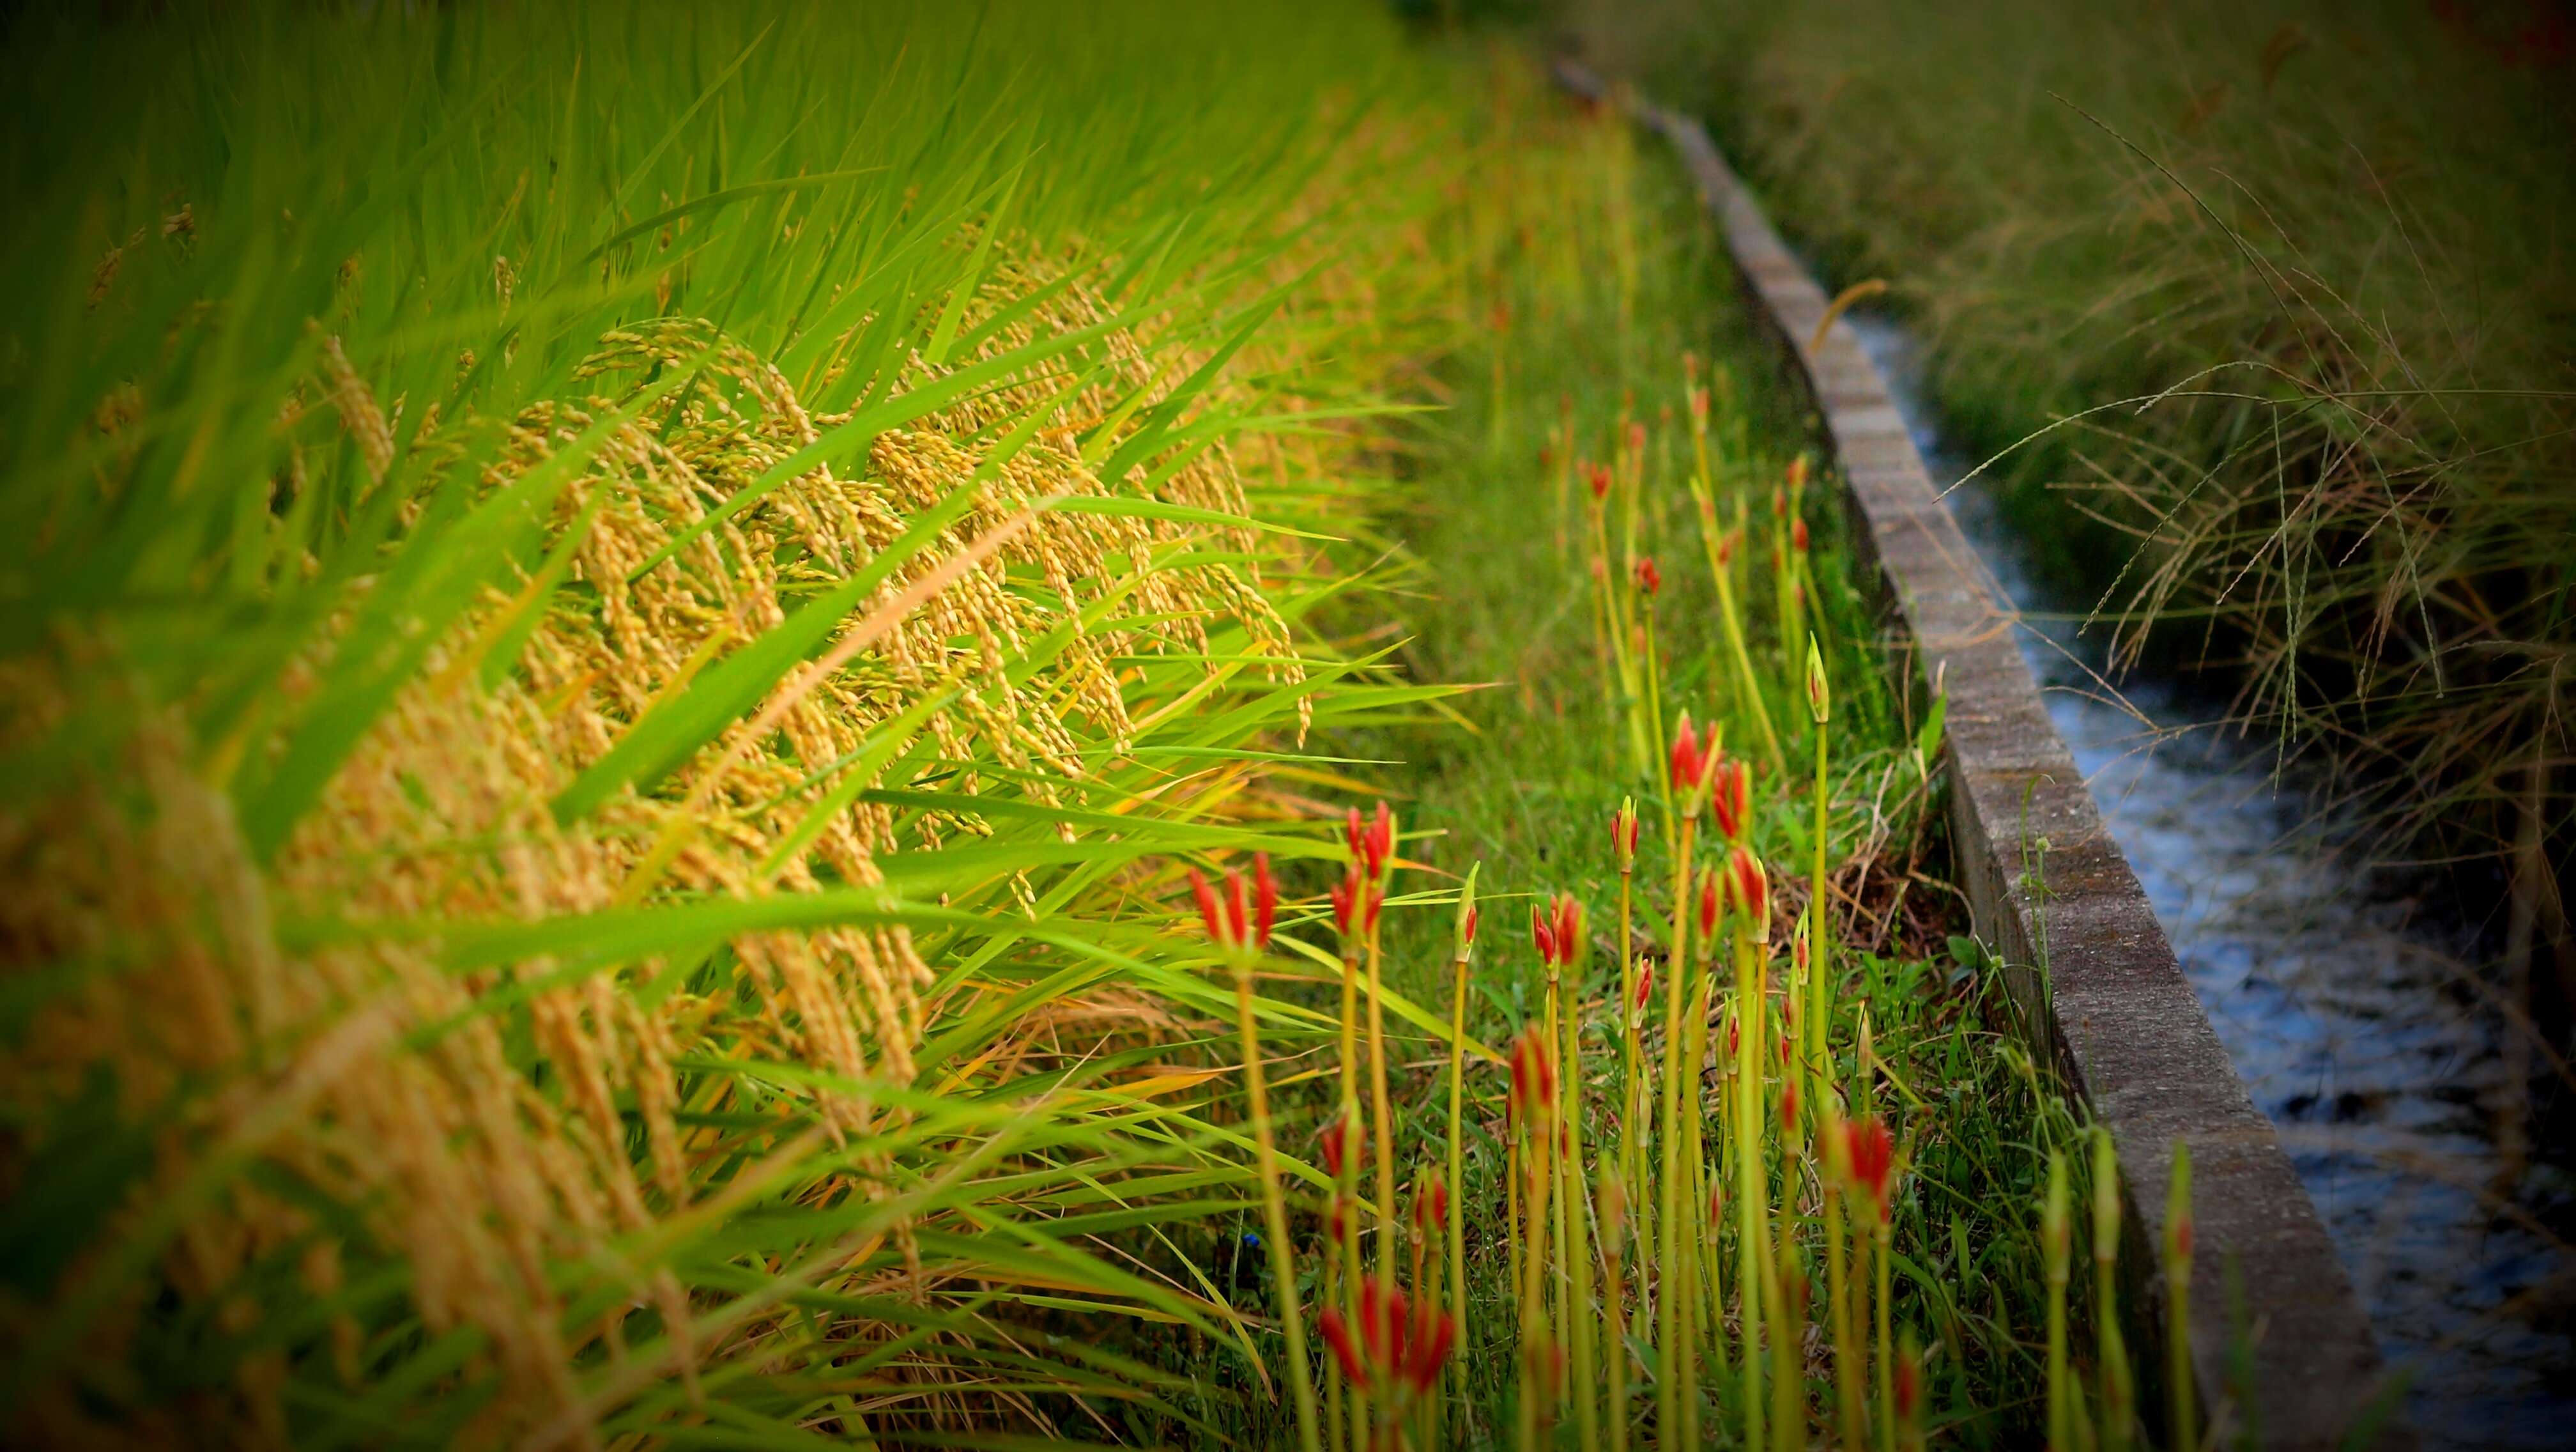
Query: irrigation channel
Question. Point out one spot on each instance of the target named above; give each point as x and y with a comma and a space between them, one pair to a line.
2341, 1001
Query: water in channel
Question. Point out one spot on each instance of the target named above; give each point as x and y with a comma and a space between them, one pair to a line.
2343, 1005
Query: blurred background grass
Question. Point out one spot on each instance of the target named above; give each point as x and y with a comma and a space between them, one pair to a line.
2266, 310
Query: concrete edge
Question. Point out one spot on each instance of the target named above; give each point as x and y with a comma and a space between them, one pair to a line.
2114, 1009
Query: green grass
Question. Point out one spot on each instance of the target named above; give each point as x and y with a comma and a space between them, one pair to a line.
2330, 243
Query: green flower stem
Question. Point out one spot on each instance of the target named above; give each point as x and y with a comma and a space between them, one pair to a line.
1274, 1211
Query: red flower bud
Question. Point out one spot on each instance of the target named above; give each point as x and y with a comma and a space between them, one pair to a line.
1688, 767
1623, 834
1430, 1351
1650, 577
1798, 472
1265, 899
1371, 841
1726, 549
1533, 1078
1699, 405
1337, 1334
1636, 437
1779, 502
1748, 889
1909, 1388
1342, 1146
1789, 1106
1431, 1205
1600, 480
1645, 986
1730, 795
1798, 536
1211, 917
1467, 931
1708, 905
1870, 1152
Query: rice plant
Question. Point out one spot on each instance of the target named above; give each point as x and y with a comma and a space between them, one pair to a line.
614, 613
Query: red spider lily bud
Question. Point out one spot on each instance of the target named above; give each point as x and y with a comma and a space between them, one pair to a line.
1730, 795
1337, 1335
1569, 928
1371, 842
1430, 1351
1599, 568
1342, 1146
1716, 1204
1600, 480
1349, 896
1542, 933
1870, 1152
1798, 472
1211, 917
1699, 407
1533, 1077
1690, 365
1636, 437
1708, 905
1265, 900
1820, 696
1788, 1104
1909, 1379
1833, 1136
1798, 957
1337, 1217
1782, 1045
1650, 576
1382, 1322
1798, 535
1726, 550
1689, 765
1779, 502
2178, 1227
1467, 913
1645, 986
1431, 1205
1238, 910
1734, 1039
1623, 833
1748, 888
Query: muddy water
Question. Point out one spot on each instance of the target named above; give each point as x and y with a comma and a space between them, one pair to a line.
2340, 1001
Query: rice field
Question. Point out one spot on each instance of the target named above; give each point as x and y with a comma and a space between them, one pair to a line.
745, 726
